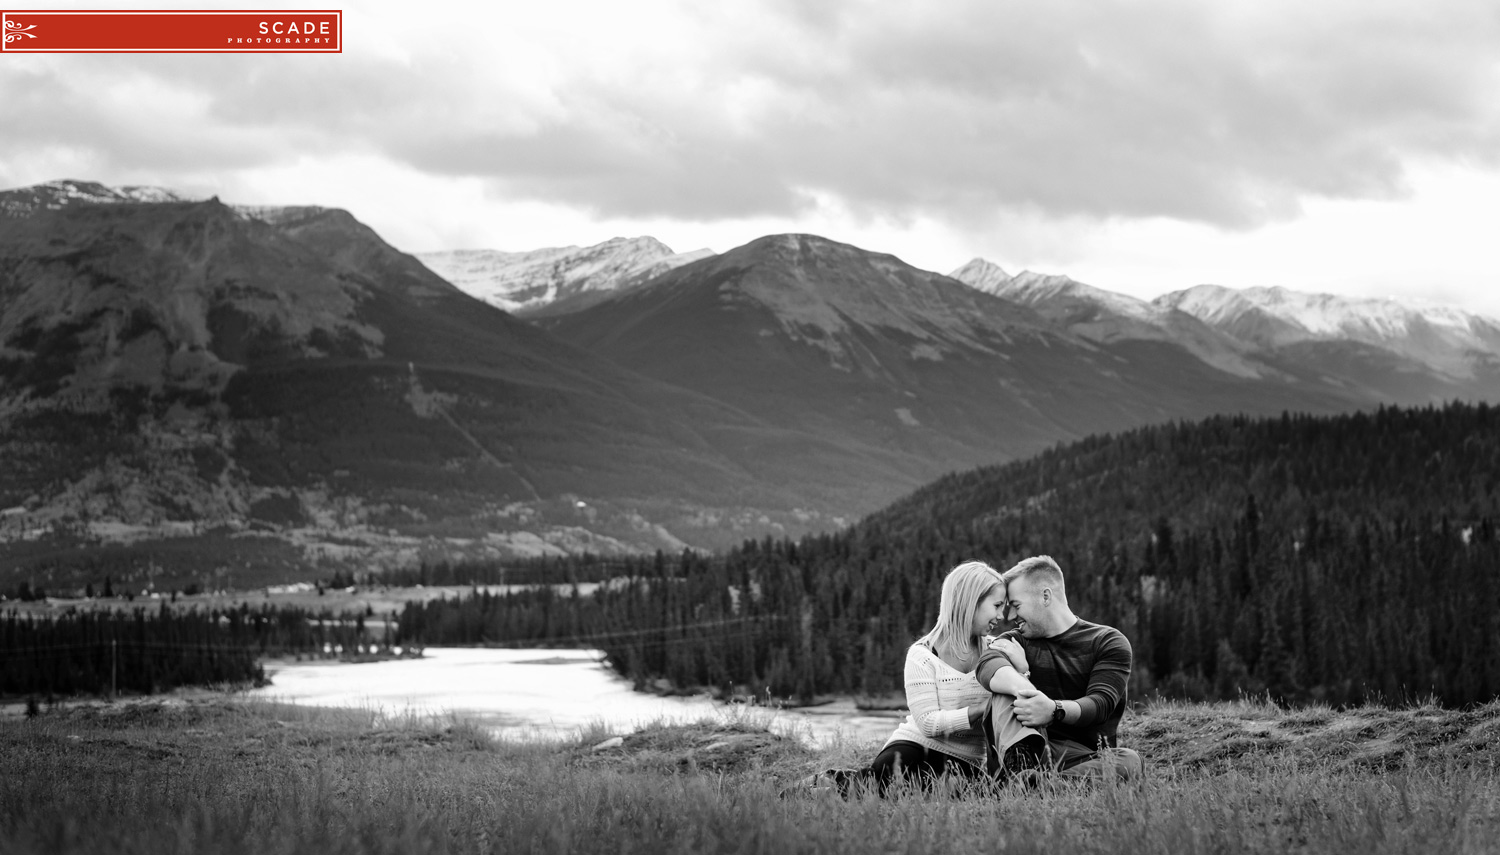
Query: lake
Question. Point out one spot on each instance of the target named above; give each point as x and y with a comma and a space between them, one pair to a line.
535, 694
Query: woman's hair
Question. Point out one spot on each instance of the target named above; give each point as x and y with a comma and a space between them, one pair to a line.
963, 588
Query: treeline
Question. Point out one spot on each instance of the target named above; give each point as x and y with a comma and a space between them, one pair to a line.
547, 569
682, 619
1337, 559
146, 651
24, 591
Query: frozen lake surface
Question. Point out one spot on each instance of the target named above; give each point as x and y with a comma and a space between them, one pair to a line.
548, 694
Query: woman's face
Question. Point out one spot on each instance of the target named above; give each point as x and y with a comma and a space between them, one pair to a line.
991, 609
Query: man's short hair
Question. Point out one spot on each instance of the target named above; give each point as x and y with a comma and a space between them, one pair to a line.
1039, 571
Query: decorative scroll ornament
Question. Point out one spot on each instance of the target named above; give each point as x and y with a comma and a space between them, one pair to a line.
14, 31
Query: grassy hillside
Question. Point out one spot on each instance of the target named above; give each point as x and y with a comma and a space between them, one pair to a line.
226, 777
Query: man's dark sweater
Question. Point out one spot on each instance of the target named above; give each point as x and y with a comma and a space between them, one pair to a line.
1088, 663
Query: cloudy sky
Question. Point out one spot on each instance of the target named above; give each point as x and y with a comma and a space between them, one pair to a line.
1138, 145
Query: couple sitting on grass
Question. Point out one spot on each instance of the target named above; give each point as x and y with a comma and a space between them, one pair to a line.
1041, 700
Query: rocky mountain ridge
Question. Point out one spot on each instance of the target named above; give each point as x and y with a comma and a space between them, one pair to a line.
1456, 343
24, 201
280, 381
557, 279
1238, 331
1105, 316
287, 387
911, 372
1250, 331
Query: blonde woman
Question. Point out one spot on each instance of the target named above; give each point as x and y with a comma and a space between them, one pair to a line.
944, 734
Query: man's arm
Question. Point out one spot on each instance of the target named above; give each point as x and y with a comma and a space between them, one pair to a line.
1107, 679
1108, 674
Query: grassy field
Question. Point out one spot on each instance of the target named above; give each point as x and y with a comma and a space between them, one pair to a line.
225, 775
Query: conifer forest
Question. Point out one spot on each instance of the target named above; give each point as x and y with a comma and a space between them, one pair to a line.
1332, 559
143, 651
1335, 559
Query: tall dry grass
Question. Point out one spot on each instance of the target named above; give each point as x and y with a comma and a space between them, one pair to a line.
263, 778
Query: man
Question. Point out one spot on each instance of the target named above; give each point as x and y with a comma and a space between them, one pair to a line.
1075, 690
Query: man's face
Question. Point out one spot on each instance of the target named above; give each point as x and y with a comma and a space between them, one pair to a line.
1024, 607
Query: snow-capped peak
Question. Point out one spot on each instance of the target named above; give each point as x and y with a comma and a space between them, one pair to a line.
1441, 337
534, 280
51, 195
150, 194
89, 191
983, 274
1040, 290
1320, 316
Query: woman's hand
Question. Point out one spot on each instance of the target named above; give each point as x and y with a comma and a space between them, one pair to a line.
1012, 651
976, 717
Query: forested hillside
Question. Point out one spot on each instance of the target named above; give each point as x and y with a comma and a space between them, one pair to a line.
1338, 558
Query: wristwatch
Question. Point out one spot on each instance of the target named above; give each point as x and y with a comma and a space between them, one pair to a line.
1057, 712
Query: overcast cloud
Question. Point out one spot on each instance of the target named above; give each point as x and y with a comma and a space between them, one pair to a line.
966, 116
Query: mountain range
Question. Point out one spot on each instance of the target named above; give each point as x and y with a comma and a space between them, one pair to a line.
1421, 352
1379, 350
283, 385
280, 387
916, 372
557, 280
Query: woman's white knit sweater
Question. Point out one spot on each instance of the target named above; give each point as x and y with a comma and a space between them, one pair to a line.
939, 697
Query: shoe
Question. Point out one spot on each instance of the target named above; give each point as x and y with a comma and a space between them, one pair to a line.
826, 781
1029, 753
1031, 779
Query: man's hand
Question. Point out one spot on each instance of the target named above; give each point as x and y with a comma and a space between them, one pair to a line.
1033, 708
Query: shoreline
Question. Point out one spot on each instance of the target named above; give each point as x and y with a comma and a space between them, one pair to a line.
887, 706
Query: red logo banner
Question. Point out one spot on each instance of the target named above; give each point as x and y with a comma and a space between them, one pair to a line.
173, 31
